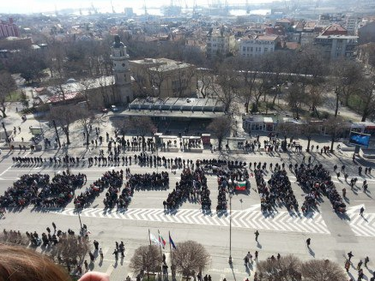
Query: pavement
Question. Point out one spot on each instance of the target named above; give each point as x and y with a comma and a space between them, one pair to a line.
332, 235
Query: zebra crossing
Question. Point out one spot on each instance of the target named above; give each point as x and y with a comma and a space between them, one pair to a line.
253, 219
361, 225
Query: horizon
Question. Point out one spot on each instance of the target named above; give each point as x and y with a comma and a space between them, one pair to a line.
42, 6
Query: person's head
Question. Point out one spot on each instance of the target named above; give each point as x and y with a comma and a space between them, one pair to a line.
19, 264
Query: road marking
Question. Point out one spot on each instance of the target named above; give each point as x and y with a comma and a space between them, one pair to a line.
282, 221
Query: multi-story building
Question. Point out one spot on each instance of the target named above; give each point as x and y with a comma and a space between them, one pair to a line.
8, 29
351, 25
338, 45
219, 42
336, 42
258, 45
163, 78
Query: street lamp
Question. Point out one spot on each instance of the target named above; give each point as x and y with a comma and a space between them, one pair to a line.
230, 226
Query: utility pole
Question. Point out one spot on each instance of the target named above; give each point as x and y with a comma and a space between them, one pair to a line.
57, 133
6, 133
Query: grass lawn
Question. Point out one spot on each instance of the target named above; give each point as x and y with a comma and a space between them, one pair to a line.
15, 96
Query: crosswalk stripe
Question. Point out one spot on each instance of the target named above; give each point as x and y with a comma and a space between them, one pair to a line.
281, 221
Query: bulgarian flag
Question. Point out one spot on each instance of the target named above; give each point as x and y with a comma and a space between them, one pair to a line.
241, 185
161, 240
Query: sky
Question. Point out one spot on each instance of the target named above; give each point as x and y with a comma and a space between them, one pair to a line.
37, 6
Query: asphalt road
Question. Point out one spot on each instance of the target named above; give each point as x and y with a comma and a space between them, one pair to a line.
283, 233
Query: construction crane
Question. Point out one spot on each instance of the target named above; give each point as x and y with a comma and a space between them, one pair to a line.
113, 9
93, 8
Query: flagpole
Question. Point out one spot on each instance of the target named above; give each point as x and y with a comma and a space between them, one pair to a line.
161, 252
149, 237
170, 246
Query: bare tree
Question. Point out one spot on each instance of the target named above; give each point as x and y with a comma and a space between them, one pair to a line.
308, 129
335, 127
64, 116
228, 79
248, 70
296, 98
70, 250
220, 127
322, 270
190, 256
286, 129
315, 96
7, 85
85, 117
146, 259
185, 76
366, 95
347, 75
285, 269
207, 79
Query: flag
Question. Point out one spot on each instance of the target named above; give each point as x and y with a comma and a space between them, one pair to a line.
241, 185
161, 240
154, 240
171, 242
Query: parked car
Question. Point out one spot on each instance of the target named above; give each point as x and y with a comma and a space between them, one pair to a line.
114, 108
103, 109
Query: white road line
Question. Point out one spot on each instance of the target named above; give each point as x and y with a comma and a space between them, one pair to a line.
242, 219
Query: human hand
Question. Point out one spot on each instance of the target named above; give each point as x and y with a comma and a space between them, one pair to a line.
94, 276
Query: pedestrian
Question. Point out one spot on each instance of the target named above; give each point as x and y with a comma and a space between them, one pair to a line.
308, 242
115, 252
48, 230
361, 211
92, 257
54, 226
256, 235
256, 255
246, 261
96, 245
344, 192
338, 175
366, 261
101, 254
347, 265
278, 256
86, 265
359, 265
360, 274
350, 255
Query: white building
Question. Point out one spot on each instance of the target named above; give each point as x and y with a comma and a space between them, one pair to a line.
338, 45
121, 71
219, 43
258, 45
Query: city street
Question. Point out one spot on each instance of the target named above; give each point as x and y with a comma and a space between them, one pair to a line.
331, 236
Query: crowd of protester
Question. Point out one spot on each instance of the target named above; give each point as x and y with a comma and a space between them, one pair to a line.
276, 191
37, 189
111, 180
193, 187
316, 180
148, 181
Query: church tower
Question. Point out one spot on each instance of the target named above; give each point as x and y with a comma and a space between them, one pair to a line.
121, 71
